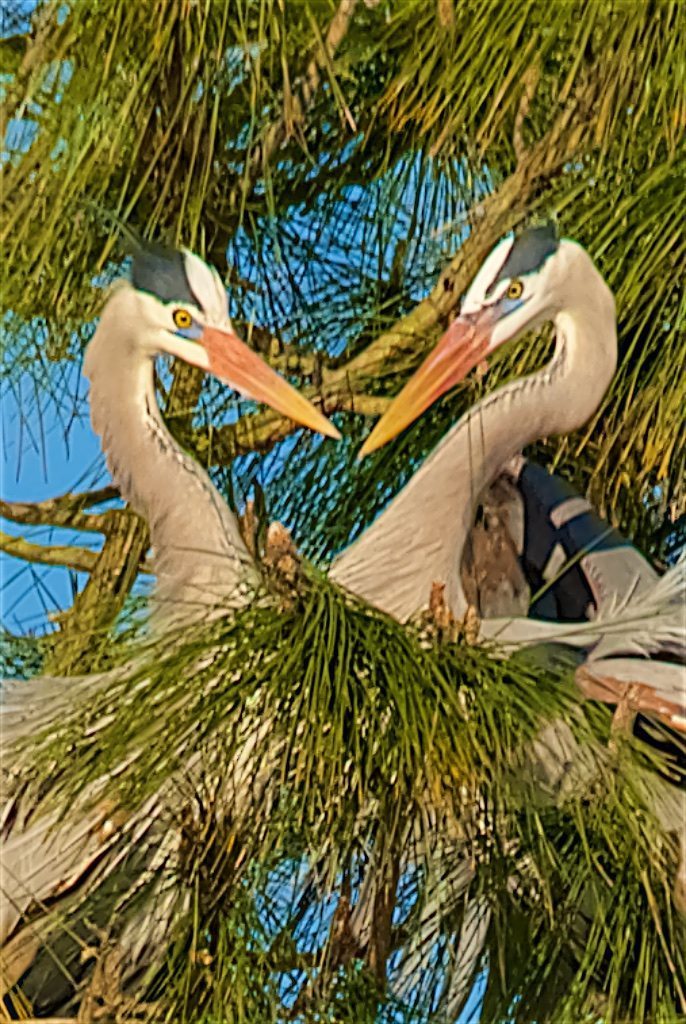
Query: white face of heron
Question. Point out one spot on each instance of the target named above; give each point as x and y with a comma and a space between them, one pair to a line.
516, 288
180, 308
178, 296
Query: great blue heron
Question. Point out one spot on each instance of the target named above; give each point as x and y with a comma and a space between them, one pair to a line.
419, 539
175, 304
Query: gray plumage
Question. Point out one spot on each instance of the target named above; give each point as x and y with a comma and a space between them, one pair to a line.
162, 272
529, 252
202, 566
420, 539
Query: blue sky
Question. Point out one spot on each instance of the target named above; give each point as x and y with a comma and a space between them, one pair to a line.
41, 460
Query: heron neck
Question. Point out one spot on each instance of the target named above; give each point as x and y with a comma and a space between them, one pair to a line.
418, 540
200, 560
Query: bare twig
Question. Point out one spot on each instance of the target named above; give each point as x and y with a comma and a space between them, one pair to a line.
66, 555
282, 562
384, 905
624, 716
446, 13
340, 948
84, 628
680, 881
631, 699
363, 405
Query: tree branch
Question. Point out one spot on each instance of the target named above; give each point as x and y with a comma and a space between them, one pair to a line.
630, 698
80, 559
384, 905
446, 13
84, 629
66, 510
530, 84
277, 133
64, 555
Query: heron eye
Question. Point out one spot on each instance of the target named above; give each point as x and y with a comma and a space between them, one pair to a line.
514, 289
182, 319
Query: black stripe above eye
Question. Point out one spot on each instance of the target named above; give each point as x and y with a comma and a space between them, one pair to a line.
162, 273
528, 253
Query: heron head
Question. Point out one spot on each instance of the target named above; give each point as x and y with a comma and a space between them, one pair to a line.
183, 307
515, 289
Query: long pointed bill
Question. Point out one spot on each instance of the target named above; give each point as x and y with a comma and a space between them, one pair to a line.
461, 348
231, 360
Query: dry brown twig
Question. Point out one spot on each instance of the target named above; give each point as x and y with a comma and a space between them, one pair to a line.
530, 84
446, 13
630, 699
281, 562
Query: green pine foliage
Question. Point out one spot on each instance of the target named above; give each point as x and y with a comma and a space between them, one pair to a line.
308, 755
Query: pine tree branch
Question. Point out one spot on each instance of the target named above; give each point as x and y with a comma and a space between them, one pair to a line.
296, 106
80, 559
45, 26
64, 555
84, 628
83, 632
384, 904
66, 510
529, 82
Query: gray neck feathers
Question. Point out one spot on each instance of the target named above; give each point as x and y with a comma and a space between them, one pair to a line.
419, 539
200, 560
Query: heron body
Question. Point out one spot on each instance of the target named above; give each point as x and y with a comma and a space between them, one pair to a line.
550, 545
421, 538
177, 305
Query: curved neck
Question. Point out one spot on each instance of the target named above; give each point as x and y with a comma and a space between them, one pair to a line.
200, 559
419, 538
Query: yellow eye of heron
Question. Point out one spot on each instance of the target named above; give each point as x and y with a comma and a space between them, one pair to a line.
182, 319
514, 289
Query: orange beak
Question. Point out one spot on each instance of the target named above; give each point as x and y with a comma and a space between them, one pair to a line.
232, 361
461, 348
